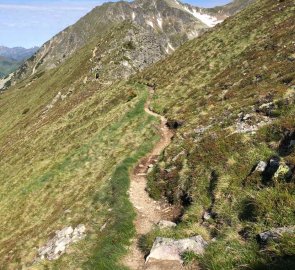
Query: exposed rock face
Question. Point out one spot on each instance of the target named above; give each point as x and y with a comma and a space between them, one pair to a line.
57, 246
166, 249
131, 51
274, 234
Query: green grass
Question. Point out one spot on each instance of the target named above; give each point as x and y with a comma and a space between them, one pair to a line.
118, 237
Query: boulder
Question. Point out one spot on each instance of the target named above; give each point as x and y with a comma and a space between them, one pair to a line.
167, 249
163, 224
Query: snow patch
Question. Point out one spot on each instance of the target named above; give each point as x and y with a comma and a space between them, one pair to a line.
204, 18
133, 15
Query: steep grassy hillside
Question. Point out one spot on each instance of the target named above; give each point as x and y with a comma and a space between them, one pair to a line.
69, 136
231, 94
66, 147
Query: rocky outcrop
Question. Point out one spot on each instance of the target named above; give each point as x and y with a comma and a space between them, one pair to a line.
130, 48
57, 246
167, 249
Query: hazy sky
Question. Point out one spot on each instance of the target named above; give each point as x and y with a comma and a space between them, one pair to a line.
28, 23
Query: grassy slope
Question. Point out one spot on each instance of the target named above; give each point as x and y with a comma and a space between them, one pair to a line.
209, 81
76, 157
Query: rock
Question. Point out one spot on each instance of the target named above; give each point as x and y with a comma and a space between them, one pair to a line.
274, 234
163, 224
261, 166
167, 249
206, 216
64, 232
266, 108
57, 246
247, 117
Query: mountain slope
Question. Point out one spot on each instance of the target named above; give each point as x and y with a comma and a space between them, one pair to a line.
172, 21
70, 135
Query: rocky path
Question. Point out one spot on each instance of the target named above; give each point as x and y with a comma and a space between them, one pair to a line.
149, 212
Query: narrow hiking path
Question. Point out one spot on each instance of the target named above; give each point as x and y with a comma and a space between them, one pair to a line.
149, 212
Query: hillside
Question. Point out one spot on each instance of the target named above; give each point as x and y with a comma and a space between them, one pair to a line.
77, 138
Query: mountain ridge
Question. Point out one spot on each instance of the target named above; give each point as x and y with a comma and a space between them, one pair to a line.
173, 21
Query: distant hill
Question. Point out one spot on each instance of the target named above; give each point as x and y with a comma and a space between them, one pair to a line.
12, 58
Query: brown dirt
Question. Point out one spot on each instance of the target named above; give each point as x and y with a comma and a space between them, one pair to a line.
149, 212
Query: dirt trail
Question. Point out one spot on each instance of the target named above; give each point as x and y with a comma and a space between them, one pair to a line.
149, 212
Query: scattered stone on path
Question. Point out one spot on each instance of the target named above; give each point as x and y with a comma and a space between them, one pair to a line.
57, 246
167, 249
163, 224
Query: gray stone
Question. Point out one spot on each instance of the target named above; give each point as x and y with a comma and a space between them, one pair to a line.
57, 246
274, 234
166, 224
167, 249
